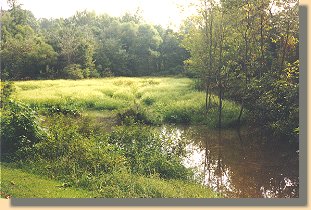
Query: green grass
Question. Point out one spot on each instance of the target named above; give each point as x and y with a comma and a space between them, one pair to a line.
18, 184
161, 99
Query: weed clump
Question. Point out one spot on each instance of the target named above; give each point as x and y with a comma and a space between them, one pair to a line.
133, 115
61, 109
146, 153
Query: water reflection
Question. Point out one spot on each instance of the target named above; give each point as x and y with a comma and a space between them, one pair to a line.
239, 163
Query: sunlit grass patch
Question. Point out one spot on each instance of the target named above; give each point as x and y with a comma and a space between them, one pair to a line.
20, 184
162, 99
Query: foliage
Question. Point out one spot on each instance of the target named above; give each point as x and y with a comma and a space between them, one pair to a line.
24, 52
120, 164
239, 50
6, 90
146, 152
19, 128
133, 115
73, 151
278, 107
73, 71
60, 109
86, 45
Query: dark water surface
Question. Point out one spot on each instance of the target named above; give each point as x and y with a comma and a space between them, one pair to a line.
239, 163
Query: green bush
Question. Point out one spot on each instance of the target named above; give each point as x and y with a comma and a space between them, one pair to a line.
73, 71
6, 89
178, 114
133, 115
72, 151
79, 155
20, 130
273, 101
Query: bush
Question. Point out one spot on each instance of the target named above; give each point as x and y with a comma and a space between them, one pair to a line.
6, 89
178, 114
274, 101
148, 101
80, 155
72, 152
133, 115
20, 130
73, 71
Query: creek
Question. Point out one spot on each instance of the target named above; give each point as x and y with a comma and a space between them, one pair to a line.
243, 163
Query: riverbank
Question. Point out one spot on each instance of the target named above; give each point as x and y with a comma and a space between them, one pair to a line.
22, 183
65, 137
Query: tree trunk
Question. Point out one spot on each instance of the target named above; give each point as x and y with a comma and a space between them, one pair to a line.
206, 97
219, 71
220, 107
240, 115
209, 41
261, 45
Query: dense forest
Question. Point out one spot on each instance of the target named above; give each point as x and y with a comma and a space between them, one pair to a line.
86, 45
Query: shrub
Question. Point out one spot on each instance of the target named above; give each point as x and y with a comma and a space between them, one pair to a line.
73, 71
71, 151
20, 130
133, 115
6, 89
178, 114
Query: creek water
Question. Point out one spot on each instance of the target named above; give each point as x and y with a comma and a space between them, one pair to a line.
242, 163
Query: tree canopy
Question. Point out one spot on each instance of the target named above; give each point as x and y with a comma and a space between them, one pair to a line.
86, 45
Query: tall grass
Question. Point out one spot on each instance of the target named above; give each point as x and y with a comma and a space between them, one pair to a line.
160, 100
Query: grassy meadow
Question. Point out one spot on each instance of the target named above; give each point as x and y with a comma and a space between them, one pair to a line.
159, 100
99, 138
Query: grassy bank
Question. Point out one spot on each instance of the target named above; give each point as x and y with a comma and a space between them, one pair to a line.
17, 183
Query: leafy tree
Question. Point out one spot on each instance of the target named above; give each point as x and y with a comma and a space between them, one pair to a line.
245, 48
147, 43
172, 54
25, 54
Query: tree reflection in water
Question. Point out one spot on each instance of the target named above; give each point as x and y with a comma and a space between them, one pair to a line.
241, 163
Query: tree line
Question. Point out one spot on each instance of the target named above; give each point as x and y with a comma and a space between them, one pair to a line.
86, 45
248, 51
